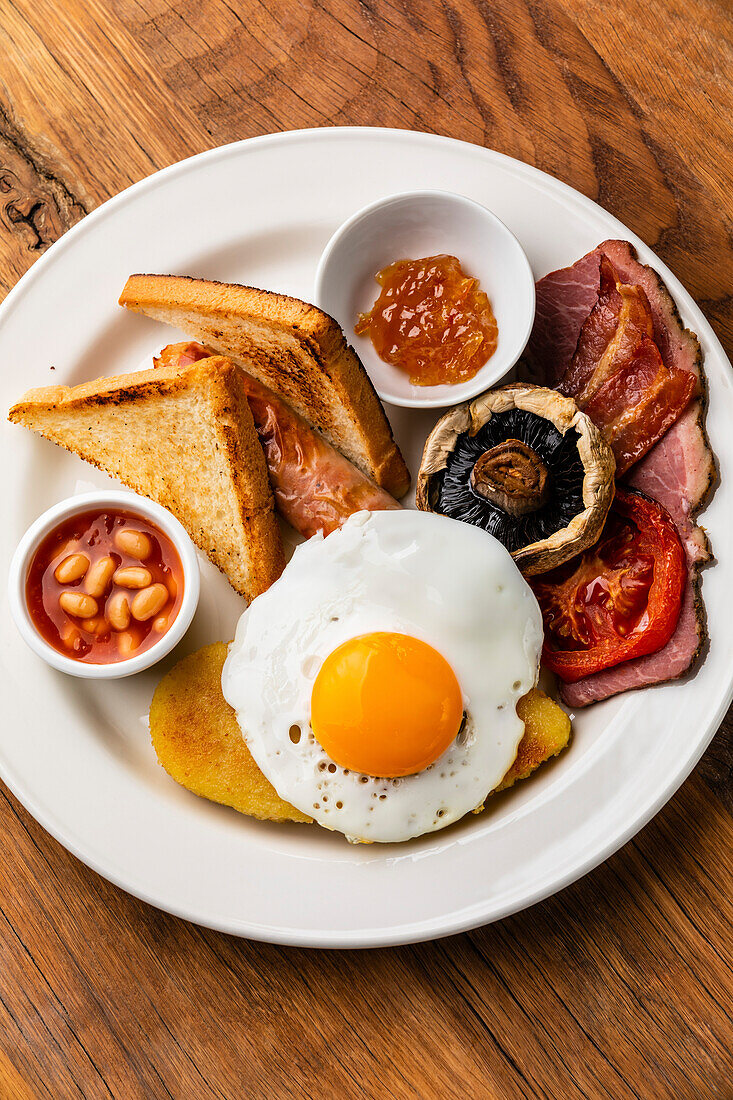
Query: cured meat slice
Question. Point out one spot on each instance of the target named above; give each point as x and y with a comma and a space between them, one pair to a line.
315, 487
610, 335
679, 472
679, 347
564, 300
637, 404
566, 297
617, 374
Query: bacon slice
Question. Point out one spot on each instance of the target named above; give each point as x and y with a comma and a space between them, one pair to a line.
637, 404
611, 334
316, 489
617, 374
679, 347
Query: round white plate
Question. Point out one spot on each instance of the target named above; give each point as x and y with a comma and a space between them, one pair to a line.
78, 754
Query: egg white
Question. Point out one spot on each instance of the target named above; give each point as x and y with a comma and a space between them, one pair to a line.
447, 583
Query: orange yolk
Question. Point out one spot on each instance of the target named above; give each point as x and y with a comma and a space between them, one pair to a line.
386, 705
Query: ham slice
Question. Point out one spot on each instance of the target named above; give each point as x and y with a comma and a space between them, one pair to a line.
564, 300
678, 471
669, 662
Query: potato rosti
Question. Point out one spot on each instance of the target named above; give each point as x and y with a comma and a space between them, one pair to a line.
198, 741
546, 733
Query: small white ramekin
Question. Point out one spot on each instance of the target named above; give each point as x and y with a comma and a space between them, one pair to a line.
410, 226
130, 502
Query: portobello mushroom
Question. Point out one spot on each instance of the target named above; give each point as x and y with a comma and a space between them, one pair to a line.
526, 465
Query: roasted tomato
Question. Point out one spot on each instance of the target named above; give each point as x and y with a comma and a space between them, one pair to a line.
619, 599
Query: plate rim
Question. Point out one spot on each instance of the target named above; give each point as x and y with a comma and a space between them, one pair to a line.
463, 919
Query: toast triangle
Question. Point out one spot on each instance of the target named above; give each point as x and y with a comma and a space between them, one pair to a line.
185, 438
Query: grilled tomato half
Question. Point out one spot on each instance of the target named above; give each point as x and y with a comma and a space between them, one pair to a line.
620, 598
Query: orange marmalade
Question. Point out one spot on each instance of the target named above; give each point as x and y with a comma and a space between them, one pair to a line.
431, 320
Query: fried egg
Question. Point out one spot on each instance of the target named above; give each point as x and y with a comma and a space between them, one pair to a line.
375, 683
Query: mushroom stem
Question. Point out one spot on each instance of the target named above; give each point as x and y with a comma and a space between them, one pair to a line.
512, 476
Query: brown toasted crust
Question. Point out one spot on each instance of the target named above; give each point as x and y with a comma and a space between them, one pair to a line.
294, 348
191, 446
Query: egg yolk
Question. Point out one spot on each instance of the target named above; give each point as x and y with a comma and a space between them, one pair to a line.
386, 705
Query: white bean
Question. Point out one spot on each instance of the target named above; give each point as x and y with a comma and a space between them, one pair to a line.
98, 579
71, 569
133, 576
149, 602
78, 605
135, 543
126, 643
98, 625
118, 611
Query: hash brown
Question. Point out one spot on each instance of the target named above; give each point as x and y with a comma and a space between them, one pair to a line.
197, 739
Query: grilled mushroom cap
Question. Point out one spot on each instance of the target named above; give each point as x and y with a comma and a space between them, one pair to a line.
527, 465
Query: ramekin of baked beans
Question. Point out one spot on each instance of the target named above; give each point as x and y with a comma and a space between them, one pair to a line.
104, 584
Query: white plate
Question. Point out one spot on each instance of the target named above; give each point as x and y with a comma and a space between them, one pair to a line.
78, 754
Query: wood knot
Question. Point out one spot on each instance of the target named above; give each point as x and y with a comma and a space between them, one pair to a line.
513, 477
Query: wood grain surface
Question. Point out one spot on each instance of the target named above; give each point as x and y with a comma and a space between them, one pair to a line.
620, 986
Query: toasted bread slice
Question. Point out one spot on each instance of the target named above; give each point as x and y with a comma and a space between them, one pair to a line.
295, 349
185, 438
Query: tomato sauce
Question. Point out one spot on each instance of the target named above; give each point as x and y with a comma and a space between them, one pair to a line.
431, 320
125, 565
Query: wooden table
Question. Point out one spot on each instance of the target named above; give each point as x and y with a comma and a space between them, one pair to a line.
621, 985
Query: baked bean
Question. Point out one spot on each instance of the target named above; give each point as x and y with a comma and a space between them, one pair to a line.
71, 569
135, 543
160, 625
70, 635
133, 576
98, 579
118, 611
78, 605
149, 602
126, 643
98, 625
172, 586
